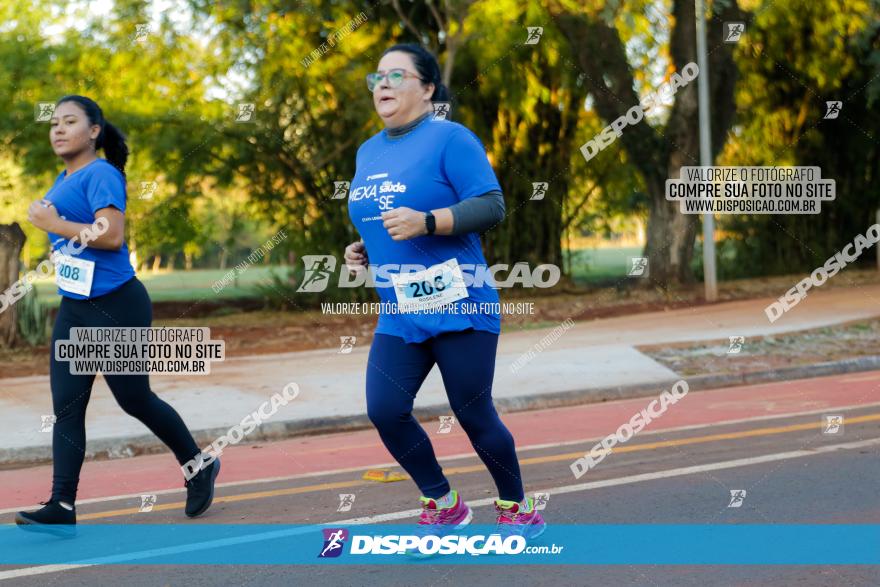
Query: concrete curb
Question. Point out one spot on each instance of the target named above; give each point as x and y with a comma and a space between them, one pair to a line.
111, 448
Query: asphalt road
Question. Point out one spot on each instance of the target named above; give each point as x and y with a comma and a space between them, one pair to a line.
765, 440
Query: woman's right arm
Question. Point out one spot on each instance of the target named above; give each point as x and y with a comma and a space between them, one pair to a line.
356, 256
478, 214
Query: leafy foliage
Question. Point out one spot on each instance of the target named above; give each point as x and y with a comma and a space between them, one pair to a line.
224, 186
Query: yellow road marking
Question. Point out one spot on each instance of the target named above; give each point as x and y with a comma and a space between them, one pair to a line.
473, 468
230, 498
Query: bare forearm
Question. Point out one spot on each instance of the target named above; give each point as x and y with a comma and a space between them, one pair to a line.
111, 240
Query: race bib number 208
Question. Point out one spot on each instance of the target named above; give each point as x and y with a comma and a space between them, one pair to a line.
74, 275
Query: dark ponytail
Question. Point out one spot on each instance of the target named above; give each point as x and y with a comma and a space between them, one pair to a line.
427, 67
110, 138
112, 141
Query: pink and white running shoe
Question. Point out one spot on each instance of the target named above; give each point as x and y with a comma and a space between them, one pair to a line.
441, 521
514, 519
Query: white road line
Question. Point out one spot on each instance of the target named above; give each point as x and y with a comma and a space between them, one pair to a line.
647, 476
678, 472
42, 570
519, 449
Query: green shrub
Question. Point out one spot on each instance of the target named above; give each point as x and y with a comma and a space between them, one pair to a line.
33, 319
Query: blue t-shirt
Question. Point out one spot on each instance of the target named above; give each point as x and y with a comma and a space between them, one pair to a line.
95, 186
436, 165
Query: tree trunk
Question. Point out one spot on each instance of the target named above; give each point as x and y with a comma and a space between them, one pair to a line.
658, 153
670, 242
12, 240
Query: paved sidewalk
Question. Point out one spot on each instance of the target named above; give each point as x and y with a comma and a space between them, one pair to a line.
587, 362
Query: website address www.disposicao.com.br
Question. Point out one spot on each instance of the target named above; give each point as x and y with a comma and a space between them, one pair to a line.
335, 540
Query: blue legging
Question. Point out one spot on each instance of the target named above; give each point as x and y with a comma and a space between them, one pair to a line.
466, 361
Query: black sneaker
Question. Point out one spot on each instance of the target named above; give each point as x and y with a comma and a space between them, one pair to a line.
52, 518
200, 489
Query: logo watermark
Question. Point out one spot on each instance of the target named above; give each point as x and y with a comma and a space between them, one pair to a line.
539, 190
333, 39
374, 308
533, 35
542, 344
141, 32
43, 111
441, 110
145, 350
148, 189
736, 345
638, 267
750, 190
255, 256
346, 501
541, 500
320, 268
246, 112
832, 424
238, 432
737, 497
340, 190
334, 539
446, 423
47, 422
823, 273
635, 114
733, 31
627, 430
147, 503
433, 544
832, 109
346, 344
20, 288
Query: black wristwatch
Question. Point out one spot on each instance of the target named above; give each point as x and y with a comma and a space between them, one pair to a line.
430, 223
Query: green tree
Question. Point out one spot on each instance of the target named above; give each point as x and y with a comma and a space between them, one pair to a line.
599, 34
797, 56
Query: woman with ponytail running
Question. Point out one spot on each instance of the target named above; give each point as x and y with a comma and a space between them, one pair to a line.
99, 289
422, 193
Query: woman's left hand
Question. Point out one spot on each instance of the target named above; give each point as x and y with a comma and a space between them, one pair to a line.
404, 223
43, 215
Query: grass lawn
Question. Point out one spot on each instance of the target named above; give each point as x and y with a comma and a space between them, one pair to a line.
588, 265
262, 331
194, 285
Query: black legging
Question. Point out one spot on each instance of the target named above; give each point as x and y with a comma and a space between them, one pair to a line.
128, 306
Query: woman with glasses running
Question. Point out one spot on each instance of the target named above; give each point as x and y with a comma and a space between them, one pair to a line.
422, 193
98, 288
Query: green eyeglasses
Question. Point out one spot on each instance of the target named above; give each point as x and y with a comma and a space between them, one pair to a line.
395, 77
